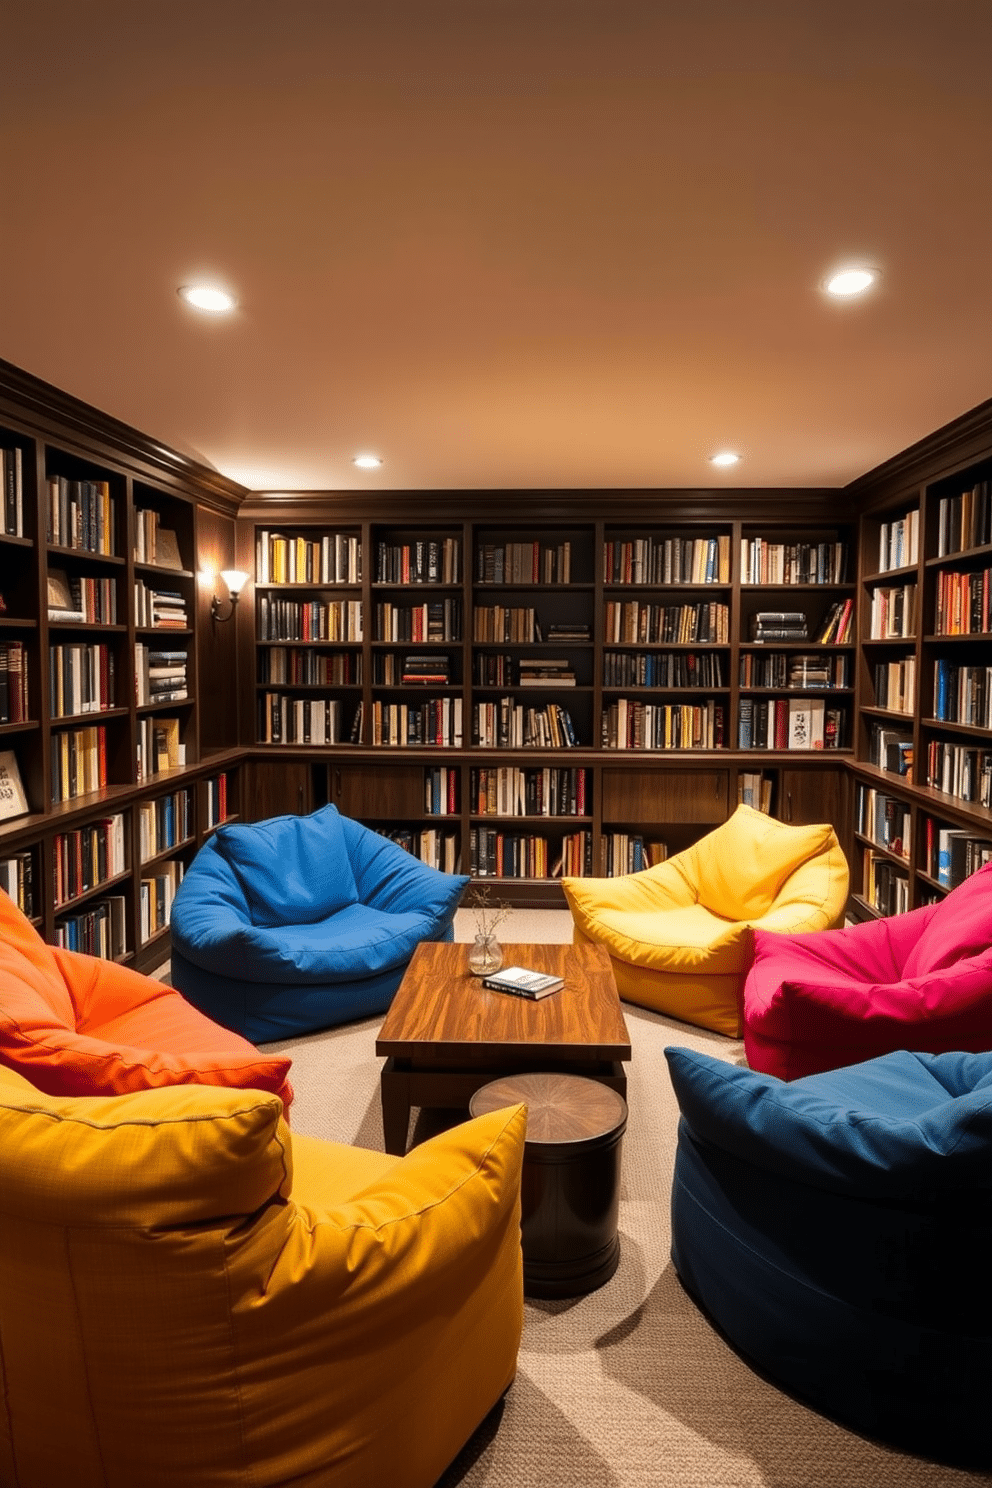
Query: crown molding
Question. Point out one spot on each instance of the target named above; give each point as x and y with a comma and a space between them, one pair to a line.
46, 412
953, 447
684, 504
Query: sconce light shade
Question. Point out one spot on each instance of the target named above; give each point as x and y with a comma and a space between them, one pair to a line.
235, 581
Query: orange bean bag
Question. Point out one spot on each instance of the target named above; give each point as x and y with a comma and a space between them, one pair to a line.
80, 1025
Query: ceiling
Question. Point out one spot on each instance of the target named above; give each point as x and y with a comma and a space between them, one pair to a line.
503, 243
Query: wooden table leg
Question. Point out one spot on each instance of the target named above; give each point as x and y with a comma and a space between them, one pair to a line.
394, 1087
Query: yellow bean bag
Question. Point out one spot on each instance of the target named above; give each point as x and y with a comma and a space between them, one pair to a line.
680, 934
189, 1295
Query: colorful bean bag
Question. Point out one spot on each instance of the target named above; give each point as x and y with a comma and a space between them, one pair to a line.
838, 1229
285, 926
921, 980
679, 934
79, 1025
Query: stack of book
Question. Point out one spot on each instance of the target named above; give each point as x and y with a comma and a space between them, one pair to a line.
778, 625
426, 669
547, 671
568, 631
159, 676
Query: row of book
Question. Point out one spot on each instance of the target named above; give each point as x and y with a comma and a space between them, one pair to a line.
424, 561
883, 884
960, 770
80, 599
98, 930
441, 790
965, 521
163, 823
629, 622
12, 504
505, 724
78, 762
438, 849
668, 560
156, 891
895, 685
764, 562
309, 620
899, 541
159, 676
289, 720
14, 706
87, 857
962, 693
435, 722
884, 819
159, 747
438, 620
154, 543
508, 790
497, 854
630, 724
333, 558
524, 563
663, 669
514, 623
159, 609
892, 614
81, 679
217, 799
794, 670
755, 790
891, 749
837, 625
964, 602
789, 723
17, 880
287, 664
81, 514
955, 853
628, 852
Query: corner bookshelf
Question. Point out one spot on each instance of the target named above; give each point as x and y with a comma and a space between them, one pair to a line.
101, 725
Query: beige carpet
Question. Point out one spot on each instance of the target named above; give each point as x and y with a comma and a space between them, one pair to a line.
628, 1387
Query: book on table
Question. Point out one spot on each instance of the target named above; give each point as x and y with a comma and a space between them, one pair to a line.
522, 982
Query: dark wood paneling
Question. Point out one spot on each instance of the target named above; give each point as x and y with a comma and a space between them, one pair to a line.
218, 661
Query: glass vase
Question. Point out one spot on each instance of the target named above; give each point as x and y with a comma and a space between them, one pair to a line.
486, 954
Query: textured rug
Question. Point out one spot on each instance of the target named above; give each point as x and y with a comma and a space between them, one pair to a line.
629, 1387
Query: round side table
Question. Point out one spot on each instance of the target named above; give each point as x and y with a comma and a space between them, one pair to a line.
570, 1189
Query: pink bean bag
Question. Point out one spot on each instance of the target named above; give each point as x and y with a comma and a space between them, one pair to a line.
920, 981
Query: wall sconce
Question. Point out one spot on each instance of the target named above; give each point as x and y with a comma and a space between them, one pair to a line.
235, 581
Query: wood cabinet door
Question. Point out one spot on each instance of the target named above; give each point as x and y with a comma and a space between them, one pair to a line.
814, 795
664, 795
369, 792
271, 788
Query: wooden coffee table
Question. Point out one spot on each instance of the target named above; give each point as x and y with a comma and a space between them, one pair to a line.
446, 1035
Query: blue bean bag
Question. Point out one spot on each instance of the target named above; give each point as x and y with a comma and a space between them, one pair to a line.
301, 922
838, 1229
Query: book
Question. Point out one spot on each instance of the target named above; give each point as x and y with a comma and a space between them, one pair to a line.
521, 982
61, 605
167, 549
13, 801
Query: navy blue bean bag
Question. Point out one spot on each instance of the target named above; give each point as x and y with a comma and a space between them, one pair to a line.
838, 1230
285, 926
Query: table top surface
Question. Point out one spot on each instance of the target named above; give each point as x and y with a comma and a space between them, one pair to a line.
442, 1012
560, 1108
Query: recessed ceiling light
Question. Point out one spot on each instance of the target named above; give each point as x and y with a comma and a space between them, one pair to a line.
847, 282
207, 297
367, 462
725, 457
